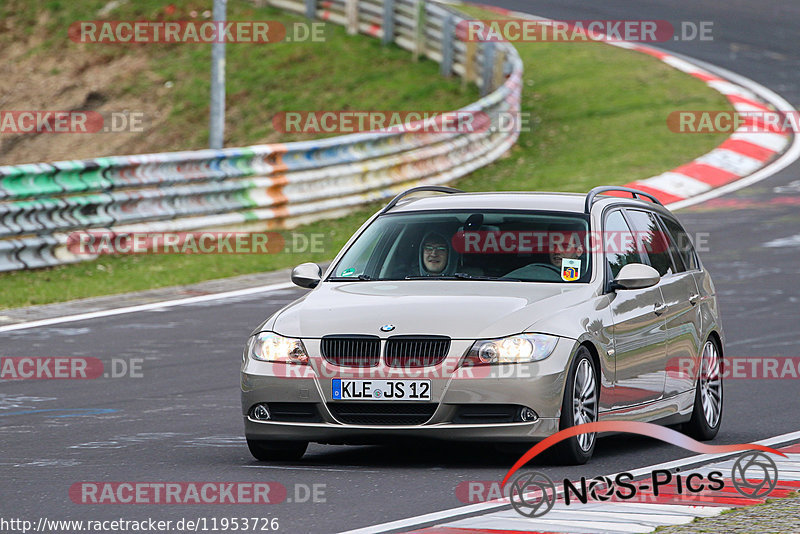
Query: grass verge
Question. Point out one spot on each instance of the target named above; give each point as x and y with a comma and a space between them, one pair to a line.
600, 115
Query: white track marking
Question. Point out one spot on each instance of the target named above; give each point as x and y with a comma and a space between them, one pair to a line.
296, 468
523, 524
661, 509
146, 307
742, 107
683, 65
677, 184
770, 141
793, 241
731, 161
728, 88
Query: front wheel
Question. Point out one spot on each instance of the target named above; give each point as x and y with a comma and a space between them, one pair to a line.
580, 405
264, 450
707, 412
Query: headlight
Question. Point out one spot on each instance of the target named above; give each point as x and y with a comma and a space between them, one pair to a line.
270, 347
513, 349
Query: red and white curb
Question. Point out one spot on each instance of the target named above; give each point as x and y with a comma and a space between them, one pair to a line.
741, 158
618, 516
742, 154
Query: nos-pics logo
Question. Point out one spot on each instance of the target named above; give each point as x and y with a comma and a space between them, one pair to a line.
533, 493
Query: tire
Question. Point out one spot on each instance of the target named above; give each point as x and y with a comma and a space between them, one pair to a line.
708, 398
264, 450
578, 407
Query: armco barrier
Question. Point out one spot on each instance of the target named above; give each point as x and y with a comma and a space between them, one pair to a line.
274, 185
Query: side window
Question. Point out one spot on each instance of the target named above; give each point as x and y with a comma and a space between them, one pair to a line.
682, 243
651, 239
677, 259
619, 244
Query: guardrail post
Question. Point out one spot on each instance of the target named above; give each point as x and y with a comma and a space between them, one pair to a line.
499, 71
216, 120
388, 21
419, 29
448, 45
351, 15
311, 9
469, 62
487, 68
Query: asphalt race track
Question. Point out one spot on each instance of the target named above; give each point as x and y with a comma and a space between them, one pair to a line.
180, 420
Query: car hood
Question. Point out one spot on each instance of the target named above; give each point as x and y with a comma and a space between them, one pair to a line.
460, 309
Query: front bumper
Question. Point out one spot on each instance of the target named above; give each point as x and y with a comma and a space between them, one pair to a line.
337, 433
537, 385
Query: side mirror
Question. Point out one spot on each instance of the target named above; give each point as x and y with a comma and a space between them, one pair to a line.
307, 275
635, 276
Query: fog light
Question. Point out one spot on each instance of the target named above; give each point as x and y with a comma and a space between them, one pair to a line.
527, 415
261, 412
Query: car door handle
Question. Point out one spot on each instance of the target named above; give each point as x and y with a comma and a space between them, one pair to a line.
694, 299
660, 308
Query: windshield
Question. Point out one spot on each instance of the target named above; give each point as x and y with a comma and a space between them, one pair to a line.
522, 246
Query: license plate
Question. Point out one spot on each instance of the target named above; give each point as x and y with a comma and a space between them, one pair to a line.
381, 390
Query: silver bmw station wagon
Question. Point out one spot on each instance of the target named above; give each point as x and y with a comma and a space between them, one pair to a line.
500, 317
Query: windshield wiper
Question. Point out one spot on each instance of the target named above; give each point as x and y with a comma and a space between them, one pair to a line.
349, 278
462, 276
432, 277
465, 276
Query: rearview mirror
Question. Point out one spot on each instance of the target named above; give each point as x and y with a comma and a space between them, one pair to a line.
307, 275
635, 276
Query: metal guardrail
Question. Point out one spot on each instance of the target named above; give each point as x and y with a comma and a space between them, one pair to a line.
274, 185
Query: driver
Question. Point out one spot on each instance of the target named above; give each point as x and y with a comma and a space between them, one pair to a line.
561, 244
561, 250
435, 256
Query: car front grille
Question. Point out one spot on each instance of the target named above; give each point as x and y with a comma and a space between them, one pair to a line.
416, 351
352, 350
362, 413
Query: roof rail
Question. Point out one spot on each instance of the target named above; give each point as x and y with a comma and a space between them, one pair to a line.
436, 188
603, 188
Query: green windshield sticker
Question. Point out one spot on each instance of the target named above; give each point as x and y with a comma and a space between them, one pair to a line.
348, 272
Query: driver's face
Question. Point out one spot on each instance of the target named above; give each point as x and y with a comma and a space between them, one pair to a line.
434, 256
565, 251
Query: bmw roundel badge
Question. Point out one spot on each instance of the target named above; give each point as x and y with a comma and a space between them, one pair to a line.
387, 328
